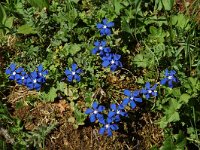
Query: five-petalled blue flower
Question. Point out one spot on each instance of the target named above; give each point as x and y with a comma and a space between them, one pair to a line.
105, 27
101, 48
113, 60
170, 78
132, 97
149, 91
95, 112
108, 127
73, 74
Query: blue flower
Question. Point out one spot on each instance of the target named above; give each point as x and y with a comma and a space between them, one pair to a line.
170, 78
105, 27
108, 127
13, 72
73, 74
101, 48
42, 73
33, 81
116, 112
112, 60
148, 91
132, 97
22, 78
95, 112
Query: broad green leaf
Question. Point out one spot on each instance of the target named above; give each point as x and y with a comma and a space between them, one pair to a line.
173, 117
50, 96
3, 15
39, 3
140, 60
26, 29
185, 98
168, 4
9, 22
75, 48
117, 6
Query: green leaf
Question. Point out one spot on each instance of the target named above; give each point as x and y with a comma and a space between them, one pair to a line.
26, 29
168, 4
9, 22
140, 60
185, 98
173, 117
117, 6
50, 96
3, 15
39, 3
75, 48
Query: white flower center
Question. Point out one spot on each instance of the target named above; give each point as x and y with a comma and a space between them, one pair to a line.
104, 26
40, 74
118, 112
149, 91
22, 78
131, 98
101, 48
112, 61
170, 77
34, 81
73, 72
107, 126
95, 112
14, 73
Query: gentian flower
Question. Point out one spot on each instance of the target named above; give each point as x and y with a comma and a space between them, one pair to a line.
108, 127
116, 112
105, 27
73, 74
13, 71
95, 112
21, 79
170, 78
132, 97
42, 73
33, 81
101, 48
148, 91
112, 60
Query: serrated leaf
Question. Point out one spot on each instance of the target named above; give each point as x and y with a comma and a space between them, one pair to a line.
75, 48
140, 60
185, 98
173, 117
50, 96
26, 29
39, 3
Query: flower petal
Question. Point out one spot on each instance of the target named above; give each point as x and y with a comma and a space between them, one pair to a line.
95, 105
127, 93
88, 111
105, 63
113, 106
102, 130
74, 66
92, 118
132, 104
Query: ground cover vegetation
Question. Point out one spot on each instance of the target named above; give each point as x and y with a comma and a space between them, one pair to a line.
99, 74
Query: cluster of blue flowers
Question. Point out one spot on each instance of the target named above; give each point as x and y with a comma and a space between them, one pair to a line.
108, 119
33, 80
108, 58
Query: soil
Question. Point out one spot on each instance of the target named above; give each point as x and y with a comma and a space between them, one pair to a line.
138, 131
